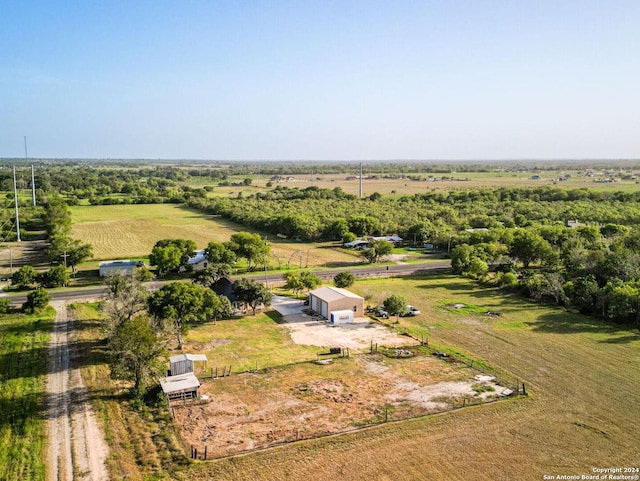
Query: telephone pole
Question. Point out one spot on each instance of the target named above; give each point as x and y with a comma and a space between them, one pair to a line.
361, 180
15, 197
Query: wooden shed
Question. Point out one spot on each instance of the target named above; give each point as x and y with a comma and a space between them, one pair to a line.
328, 299
183, 363
184, 386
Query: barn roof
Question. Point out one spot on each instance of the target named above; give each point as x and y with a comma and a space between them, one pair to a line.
119, 263
330, 294
182, 382
185, 357
197, 258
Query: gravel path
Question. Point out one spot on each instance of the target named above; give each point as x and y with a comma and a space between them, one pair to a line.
76, 448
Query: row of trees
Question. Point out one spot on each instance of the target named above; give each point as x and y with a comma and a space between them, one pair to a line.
61, 247
312, 213
594, 269
172, 255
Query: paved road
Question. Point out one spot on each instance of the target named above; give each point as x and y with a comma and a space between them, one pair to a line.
364, 272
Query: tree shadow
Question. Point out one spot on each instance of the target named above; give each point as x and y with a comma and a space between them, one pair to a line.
566, 322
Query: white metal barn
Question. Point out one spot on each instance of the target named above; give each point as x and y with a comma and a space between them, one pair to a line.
184, 386
329, 299
183, 363
124, 266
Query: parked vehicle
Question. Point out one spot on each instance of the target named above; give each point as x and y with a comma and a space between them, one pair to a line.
381, 312
412, 311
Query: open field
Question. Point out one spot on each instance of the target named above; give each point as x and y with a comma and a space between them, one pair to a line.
581, 412
406, 186
124, 231
23, 374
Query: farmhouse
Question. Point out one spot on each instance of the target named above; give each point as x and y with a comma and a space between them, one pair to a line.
183, 363
123, 266
361, 244
326, 300
184, 386
198, 262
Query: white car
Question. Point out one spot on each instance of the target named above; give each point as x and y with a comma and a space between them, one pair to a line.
412, 311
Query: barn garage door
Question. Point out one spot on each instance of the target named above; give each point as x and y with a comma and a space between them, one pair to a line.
314, 303
324, 309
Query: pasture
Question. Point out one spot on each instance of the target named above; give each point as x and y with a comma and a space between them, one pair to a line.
581, 412
129, 231
23, 373
436, 182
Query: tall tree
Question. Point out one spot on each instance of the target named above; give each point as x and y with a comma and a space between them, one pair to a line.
172, 254
249, 246
344, 279
179, 304
36, 300
135, 352
208, 276
396, 305
252, 293
219, 253
126, 297
24, 277
377, 250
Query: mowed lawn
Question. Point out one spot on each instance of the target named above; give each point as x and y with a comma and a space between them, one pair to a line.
123, 231
582, 412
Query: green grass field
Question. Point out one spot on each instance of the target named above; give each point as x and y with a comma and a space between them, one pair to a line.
23, 371
581, 412
129, 231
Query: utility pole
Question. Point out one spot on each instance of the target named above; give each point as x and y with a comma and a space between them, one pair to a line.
33, 187
361, 180
15, 196
65, 255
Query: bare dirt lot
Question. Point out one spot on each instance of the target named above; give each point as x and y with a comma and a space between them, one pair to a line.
256, 410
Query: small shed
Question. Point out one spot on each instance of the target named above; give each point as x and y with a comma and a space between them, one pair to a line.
328, 299
183, 363
123, 266
184, 386
341, 317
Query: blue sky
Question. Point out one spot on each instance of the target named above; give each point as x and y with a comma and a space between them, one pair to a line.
320, 80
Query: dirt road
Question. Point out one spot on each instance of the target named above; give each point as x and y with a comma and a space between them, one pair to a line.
76, 447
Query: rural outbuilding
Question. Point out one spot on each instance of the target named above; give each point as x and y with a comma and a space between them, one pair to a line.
184, 386
123, 266
328, 299
183, 363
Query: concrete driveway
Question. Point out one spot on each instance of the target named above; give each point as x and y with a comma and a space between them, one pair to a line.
287, 306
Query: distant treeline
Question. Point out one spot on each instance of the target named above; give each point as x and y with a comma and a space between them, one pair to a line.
314, 213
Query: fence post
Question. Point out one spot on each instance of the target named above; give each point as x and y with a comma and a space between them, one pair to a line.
205, 453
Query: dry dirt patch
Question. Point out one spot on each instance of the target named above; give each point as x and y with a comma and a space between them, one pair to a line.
257, 410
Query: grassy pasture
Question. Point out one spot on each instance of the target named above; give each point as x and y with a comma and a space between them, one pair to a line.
126, 231
582, 411
409, 187
23, 370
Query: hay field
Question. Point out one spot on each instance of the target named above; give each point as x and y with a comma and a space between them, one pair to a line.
582, 411
122, 231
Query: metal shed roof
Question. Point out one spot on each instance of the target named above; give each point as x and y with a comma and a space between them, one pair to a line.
183, 382
330, 294
185, 357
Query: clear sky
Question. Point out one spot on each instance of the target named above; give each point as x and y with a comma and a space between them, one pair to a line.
320, 79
